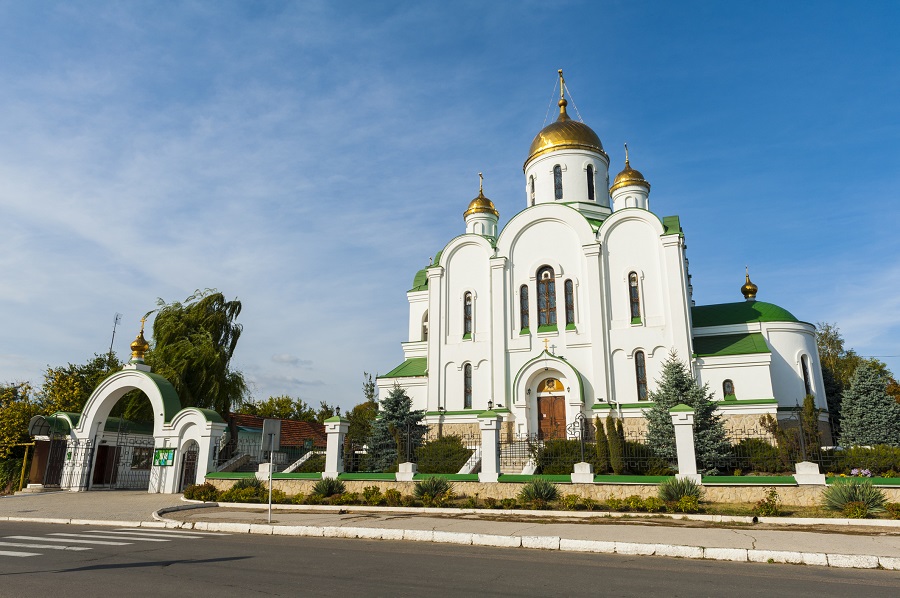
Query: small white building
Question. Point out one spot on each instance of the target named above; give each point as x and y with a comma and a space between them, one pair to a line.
575, 304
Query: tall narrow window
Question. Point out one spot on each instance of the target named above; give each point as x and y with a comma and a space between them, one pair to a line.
634, 298
590, 181
570, 303
728, 390
467, 315
546, 287
425, 326
804, 365
467, 386
557, 181
640, 370
523, 306
531, 188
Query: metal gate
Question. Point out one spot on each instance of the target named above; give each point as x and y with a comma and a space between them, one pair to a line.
68, 463
189, 467
126, 464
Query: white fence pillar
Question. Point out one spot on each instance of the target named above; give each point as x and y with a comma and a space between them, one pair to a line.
683, 420
490, 447
336, 428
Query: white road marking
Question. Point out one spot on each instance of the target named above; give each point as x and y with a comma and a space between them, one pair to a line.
44, 546
113, 537
13, 553
139, 534
171, 532
43, 539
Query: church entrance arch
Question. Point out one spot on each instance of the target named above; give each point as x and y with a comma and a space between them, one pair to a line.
189, 455
551, 409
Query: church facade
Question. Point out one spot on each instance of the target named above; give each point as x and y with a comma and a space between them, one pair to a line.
575, 304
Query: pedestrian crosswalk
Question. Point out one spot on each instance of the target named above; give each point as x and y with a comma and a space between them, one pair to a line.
92, 538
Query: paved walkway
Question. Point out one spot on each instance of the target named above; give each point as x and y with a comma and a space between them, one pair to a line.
819, 544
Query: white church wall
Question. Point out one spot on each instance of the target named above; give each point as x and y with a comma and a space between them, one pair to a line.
574, 177
624, 373
749, 374
790, 341
418, 305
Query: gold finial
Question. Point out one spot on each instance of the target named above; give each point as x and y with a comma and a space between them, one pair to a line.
749, 289
143, 321
562, 84
563, 115
139, 345
480, 184
626, 154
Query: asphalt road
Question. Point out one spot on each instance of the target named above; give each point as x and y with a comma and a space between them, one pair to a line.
90, 561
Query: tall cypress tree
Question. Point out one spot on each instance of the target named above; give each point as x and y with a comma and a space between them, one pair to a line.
676, 385
616, 452
602, 447
869, 415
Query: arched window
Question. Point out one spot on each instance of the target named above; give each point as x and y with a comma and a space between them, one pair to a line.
634, 298
640, 370
728, 390
467, 315
804, 365
467, 386
425, 326
590, 181
557, 181
531, 188
570, 302
523, 306
546, 288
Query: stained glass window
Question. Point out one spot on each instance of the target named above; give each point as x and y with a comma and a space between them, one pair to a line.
467, 314
557, 181
634, 296
531, 183
590, 181
570, 302
640, 368
728, 388
804, 364
467, 386
523, 305
546, 287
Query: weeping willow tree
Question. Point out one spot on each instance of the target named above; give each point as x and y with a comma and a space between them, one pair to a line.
193, 343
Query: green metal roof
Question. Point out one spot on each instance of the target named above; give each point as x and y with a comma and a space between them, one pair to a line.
414, 366
743, 312
730, 344
420, 281
672, 225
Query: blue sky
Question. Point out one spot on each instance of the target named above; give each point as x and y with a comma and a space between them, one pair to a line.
308, 157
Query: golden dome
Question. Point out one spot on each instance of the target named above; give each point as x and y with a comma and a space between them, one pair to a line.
565, 133
481, 204
629, 176
749, 289
139, 345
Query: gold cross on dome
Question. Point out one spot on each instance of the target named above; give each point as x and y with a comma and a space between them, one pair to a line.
546, 343
144, 319
481, 183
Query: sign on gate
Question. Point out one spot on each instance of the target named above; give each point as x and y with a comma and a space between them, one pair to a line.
164, 457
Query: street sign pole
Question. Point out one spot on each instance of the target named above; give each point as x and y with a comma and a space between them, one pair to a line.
271, 463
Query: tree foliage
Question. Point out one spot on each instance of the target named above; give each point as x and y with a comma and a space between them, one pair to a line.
677, 385
193, 343
17, 407
397, 432
362, 416
280, 407
67, 388
869, 414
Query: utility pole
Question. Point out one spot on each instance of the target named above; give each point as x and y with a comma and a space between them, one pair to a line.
116, 322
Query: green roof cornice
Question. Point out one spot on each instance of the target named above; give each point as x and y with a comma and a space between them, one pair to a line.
721, 345
742, 312
672, 225
412, 367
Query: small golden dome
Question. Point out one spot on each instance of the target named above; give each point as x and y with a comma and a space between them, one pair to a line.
139, 345
629, 176
749, 289
481, 204
565, 133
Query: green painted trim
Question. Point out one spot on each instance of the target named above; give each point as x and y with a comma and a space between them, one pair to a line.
465, 412
230, 475
548, 328
594, 222
762, 480
636, 320
336, 419
524, 331
739, 402
641, 405
488, 415
601, 406
453, 477
875, 481
209, 415
414, 367
630, 479
730, 398
506, 478
570, 326
681, 408
367, 476
467, 336
297, 476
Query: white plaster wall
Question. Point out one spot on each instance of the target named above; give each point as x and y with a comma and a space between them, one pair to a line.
418, 305
789, 341
574, 172
750, 374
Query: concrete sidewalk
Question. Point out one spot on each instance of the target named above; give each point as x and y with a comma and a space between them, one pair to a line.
825, 543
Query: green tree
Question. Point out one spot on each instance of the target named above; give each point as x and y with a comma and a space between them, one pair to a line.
193, 343
17, 407
676, 385
869, 415
601, 447
397, 432
616, 446
67, 388
280, 407
363, 415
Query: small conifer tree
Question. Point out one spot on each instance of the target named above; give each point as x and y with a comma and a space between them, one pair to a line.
869, 415
602, 447
397, 432
677, 385
616, 452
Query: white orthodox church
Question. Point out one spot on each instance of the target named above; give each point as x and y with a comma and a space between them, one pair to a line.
575, 304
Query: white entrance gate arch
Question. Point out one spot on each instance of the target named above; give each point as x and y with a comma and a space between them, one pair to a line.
173, 427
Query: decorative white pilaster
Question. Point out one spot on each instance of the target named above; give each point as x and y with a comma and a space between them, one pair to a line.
683, 420
808, 474
336, 428
489, 422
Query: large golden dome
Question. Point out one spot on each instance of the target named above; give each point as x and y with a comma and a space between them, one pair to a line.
565, 133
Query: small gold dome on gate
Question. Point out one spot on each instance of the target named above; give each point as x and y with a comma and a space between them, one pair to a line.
139, 345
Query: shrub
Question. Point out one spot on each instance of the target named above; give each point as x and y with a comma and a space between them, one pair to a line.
769, 506
601, 448
538, 491
490, 503
253, 482
759, 454
571, 501
856, 509
615, 504
641, 460
392, 497
616, 445
443, 455
838, 495
878, 460
893, 509
558, 456
433, 491
299, 499
508, 503
589, 503
315, 464
673, 489
372, 496
328, 487
687, 504
205, 492
654, 505
634, 503
409, 501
